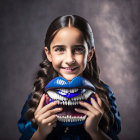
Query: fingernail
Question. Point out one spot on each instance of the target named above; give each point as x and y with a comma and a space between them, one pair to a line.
81, 102
56, 102
60, 108
49, 124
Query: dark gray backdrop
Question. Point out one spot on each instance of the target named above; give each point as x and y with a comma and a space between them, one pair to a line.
23, 25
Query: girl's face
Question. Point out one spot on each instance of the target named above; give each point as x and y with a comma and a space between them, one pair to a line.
69, 53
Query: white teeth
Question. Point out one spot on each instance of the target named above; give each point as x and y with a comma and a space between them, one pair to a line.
66, 103
64, 90
88, 93
69, 68
55, 96
69, 118
71, 101
73, 90
69, 90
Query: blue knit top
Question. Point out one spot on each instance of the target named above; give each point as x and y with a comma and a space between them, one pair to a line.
73, 132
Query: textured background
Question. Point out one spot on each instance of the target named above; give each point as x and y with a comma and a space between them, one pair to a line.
23, 25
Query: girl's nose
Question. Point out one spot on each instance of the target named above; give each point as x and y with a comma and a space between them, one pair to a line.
69, 59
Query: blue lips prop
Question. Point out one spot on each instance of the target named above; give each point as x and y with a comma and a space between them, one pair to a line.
77, 82
69, 94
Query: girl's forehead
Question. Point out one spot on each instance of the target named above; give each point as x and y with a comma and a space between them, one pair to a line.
68, 35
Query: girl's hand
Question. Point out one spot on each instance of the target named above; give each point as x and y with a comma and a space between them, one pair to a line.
94, 114
46, 117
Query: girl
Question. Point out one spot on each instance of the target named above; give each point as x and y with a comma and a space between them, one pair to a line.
69, 52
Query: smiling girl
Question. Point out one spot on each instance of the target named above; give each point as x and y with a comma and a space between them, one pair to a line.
69, 52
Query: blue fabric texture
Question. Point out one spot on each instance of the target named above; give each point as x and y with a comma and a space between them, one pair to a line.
75, 132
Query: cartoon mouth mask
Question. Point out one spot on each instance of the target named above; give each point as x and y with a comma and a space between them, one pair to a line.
69, 94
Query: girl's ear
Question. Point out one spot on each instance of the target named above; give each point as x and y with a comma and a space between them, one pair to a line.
48, 54
90, 54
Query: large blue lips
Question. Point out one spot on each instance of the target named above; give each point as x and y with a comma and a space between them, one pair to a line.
77, 82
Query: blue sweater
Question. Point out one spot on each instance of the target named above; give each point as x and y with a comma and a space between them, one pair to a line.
74, 132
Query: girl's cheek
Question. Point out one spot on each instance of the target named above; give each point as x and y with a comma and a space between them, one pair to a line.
58, 58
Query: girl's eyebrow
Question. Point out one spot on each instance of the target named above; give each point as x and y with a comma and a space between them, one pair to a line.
79, 45
75, 45
55, 46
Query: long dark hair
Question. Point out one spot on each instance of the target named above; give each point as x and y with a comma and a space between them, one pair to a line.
47, 73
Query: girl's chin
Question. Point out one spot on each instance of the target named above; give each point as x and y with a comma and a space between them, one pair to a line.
69, 77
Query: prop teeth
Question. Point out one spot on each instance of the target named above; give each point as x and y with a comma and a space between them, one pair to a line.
69, 90
55, 96
73, 90
69, 118
72, 101
88, 93
69, 103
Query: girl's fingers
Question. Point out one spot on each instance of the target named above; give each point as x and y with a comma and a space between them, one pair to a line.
50, 119
41, 103
88, 106
86, 112
99, 101
47, 107
49, 113
96, 105
54, 125
53, 122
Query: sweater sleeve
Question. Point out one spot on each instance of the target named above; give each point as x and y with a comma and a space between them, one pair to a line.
115, 129
25, 127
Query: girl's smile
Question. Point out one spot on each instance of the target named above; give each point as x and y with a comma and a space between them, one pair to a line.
69, 69
68, 53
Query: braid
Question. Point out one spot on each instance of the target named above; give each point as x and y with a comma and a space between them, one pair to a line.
44, 75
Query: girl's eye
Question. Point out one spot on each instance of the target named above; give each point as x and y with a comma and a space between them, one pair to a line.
59, 49
79, 50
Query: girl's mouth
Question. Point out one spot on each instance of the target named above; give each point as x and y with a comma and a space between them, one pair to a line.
69, 69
